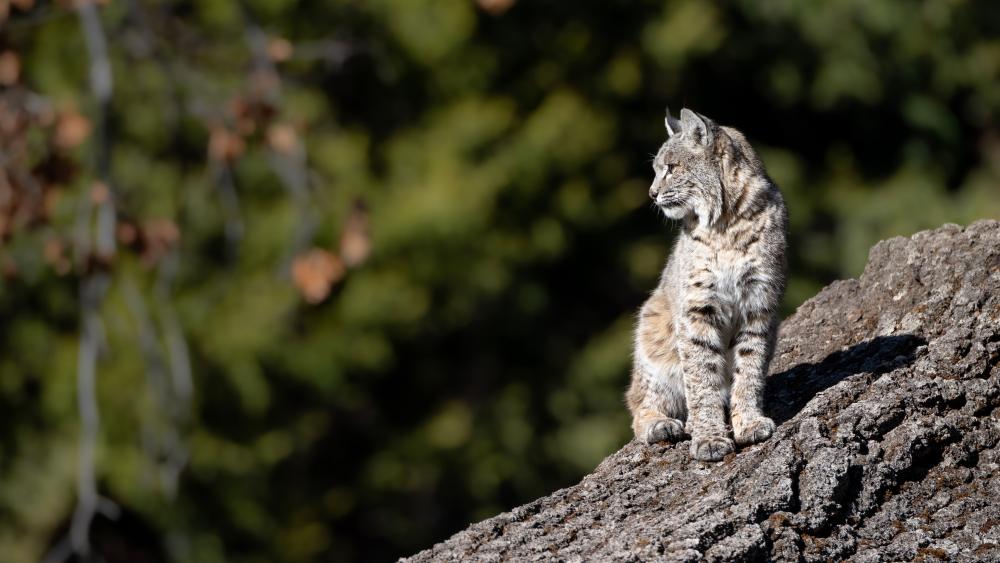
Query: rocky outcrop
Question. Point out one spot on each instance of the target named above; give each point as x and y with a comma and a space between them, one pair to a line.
886, 390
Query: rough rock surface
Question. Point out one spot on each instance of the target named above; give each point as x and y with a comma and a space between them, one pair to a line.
886, 389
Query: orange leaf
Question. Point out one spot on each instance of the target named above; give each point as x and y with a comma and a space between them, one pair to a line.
496, 7
224, 146
282, 138
279, 49
72, 128
315, 272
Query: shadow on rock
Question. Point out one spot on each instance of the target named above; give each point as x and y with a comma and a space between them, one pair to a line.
789, 391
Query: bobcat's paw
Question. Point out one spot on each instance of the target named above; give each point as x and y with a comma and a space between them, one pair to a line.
711, 448
664, 429
755, 430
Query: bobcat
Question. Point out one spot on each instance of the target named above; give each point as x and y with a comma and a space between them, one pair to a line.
706, 335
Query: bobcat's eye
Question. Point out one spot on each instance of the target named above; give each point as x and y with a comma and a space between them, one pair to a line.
669, 168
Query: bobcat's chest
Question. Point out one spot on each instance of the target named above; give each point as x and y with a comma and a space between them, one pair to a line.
726, 278
731, 273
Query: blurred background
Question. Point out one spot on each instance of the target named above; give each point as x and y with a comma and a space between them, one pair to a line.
328, 280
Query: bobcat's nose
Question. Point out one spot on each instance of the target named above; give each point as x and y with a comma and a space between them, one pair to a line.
653, 191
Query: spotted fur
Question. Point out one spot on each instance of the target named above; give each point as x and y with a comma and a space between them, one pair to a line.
705, 336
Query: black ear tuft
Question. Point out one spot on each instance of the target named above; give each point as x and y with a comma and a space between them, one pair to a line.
672, 124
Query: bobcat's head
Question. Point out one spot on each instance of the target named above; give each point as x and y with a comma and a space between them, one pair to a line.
688, 171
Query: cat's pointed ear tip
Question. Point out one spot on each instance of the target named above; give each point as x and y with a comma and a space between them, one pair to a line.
670, 129
672, 124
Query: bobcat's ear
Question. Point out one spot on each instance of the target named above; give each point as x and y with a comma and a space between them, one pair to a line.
672, 124
695, 128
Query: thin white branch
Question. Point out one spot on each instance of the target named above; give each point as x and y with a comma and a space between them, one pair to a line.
92, 290
97, 49
95, 282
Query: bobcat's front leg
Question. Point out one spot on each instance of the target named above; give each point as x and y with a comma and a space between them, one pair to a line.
704, 363
753, 347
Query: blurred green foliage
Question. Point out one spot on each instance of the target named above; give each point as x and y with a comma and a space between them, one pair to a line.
498, 154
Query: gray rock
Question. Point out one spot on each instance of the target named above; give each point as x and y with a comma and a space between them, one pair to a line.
886, 390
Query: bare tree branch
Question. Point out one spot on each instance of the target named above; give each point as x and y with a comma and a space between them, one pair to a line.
96, 280
92, 290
